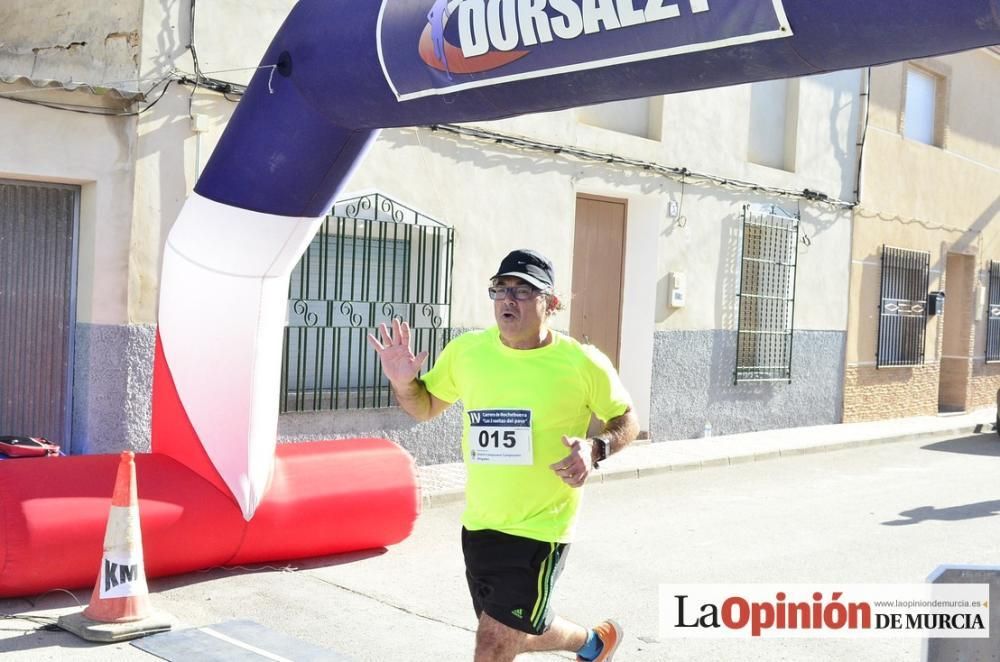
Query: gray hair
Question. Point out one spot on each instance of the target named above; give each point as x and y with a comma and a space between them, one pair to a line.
554, 301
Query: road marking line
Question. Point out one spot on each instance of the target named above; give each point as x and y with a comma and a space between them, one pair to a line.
244, 645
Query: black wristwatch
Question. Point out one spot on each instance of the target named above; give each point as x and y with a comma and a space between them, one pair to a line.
603, 450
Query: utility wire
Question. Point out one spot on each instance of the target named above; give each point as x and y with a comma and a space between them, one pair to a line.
90, 110
864, 135
678, 174
201, 79
230, 91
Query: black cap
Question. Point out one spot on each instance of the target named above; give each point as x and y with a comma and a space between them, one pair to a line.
528, 265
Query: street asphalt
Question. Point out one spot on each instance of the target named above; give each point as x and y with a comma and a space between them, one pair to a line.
811, 505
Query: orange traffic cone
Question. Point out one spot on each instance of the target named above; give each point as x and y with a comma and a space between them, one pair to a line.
119, 607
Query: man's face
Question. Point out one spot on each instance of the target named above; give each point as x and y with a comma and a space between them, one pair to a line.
516, 318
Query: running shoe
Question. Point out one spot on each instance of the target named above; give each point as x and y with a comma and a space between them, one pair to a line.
610, 634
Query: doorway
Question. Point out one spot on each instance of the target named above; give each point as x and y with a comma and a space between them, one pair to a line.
957, 345
598, 267
37, 308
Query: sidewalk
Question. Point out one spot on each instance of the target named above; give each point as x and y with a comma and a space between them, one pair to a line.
445, 483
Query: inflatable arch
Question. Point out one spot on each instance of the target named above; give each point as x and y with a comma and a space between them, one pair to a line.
346, 69
337, 72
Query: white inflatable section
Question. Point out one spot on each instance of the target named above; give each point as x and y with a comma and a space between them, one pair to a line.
223, 304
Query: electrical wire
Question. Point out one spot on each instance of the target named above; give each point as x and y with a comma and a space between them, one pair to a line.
681, 218
46, 623
864, 135
90, 110
246, 568
72, 85
229, 90
225, 87
679, 174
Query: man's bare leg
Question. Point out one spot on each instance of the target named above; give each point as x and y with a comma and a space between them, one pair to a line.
496, 642
562, 635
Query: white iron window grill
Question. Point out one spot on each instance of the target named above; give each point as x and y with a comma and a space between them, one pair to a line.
902, 321
766, 295
372, 261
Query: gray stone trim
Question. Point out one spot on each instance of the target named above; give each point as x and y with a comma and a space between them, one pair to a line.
112, 387
692, 384
434, 442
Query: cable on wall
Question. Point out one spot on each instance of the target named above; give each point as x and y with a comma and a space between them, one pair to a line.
678, 174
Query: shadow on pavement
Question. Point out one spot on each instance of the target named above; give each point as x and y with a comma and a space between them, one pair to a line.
27, 623
52, 639
952, 514
979, 444
210, 574
31, 621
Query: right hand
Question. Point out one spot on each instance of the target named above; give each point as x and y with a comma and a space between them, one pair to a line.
398, 361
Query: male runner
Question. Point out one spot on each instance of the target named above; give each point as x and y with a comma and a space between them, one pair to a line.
528, 393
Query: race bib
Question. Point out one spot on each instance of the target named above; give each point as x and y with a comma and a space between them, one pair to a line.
500, 436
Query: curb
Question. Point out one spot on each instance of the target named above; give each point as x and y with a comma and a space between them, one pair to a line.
453, 495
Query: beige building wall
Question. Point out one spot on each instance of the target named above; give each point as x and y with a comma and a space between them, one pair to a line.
940, 198
91, 49
499, 197
708, 131
135, 170
95, 153
72, 40
135, 164
176, 137
497, 200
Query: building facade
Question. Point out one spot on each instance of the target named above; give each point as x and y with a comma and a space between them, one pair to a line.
702, 240
644, 206
926, 222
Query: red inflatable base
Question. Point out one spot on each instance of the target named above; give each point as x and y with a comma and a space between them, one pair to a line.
326, 497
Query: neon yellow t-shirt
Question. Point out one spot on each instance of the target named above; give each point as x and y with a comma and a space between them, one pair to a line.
559, 385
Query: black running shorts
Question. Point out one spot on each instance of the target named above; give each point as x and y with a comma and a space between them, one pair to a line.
511, 578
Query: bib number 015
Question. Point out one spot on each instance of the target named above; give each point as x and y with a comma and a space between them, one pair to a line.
500, 436
492, 439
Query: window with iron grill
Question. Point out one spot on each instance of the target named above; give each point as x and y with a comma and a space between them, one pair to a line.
372, 261
766, 295
902, 324
993, 320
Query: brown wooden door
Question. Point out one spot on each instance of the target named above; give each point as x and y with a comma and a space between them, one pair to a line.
598, 263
